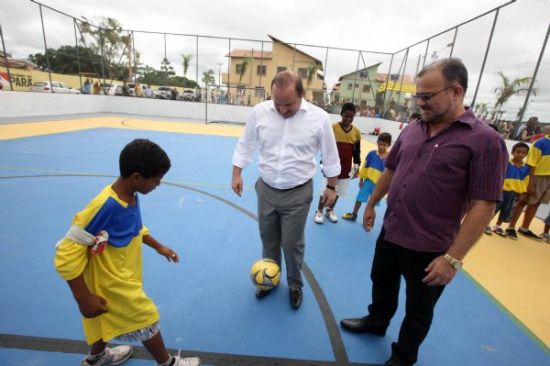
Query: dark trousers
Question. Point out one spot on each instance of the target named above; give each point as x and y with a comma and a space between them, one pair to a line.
390, 262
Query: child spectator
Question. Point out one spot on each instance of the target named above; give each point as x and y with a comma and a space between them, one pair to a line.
369, 173
538, 189
100, 258
348, 142
515, 184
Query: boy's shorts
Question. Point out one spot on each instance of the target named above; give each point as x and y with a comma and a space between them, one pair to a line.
342, 186
366, 191
542, 190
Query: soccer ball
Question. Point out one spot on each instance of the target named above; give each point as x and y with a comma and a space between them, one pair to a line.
265, 274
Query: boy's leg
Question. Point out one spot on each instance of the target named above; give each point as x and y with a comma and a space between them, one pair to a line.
98, 347
320, 206
356, 207
530, 212
156, 348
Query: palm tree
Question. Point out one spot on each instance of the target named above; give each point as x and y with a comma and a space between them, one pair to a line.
507, 89
311, 71
244, 65
208, 77
482, 110
186, 59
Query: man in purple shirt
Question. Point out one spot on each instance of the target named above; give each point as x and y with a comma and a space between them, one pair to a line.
443, 178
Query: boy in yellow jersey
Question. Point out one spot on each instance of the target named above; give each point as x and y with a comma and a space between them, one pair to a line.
348, 142
515, 184
538, 189
369, 173
100, 258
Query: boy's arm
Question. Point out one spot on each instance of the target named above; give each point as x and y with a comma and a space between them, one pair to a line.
90, 305
382, 188
161, 249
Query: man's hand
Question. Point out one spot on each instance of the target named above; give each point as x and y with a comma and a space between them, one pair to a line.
328, 197
368, 217
92, 306
237, 181
440, 272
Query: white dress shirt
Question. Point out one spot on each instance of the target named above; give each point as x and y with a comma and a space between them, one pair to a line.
287, 147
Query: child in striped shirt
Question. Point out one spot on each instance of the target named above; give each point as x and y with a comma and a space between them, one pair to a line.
369, 173
515, 183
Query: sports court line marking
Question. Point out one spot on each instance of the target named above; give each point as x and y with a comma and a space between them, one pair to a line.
337, 344
207, 358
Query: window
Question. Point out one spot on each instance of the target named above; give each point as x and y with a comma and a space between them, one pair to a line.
302, 71
366, 88
239, 68
261, 70
259, 91
350, 86
281, 69
363, 74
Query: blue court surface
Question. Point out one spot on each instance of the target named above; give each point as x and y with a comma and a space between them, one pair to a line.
207, 301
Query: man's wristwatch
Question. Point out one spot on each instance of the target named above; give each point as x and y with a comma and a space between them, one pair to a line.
332, 188
455, 263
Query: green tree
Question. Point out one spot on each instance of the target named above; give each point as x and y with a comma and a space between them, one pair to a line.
186, 60
111, 41
507, 89
64, 60
208, 77
244, 65
311, 71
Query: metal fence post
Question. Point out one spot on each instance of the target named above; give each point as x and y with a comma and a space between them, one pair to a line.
46, 49
6, 57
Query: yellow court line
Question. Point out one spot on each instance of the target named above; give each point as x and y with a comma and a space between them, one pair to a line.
515, 273
20, 130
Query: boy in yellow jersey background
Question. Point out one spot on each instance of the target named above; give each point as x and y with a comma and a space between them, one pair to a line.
100, 258
515, 184
369, 173
538, 189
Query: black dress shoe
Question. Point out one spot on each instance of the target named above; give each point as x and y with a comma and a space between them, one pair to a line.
262, 293
296, 298
363, 325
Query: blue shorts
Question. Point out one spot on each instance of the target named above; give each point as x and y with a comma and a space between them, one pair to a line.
505, 206
366, 191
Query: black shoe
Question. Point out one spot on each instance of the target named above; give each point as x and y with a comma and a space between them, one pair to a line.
296, 298
511, 233
528, 233
363, 325
262, 293
396, 359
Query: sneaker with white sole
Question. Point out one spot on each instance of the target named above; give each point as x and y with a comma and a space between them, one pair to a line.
186, 361
545, 237
528, 233
113, 356
500, 231
488, 231
331, 216
318, 217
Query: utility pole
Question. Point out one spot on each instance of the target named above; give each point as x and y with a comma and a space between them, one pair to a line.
219, 73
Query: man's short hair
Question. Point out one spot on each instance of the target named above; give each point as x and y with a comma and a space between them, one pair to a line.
453, 70
286, 78
384, 137
144, 157
348, 107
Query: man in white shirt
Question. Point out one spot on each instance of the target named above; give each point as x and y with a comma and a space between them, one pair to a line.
287, 133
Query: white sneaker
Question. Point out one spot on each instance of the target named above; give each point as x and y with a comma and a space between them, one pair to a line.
318, 217
187, 361
113, 356
332, 216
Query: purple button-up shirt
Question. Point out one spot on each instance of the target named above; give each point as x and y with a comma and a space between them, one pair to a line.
435, 178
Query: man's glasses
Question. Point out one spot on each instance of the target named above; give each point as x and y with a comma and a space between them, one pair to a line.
427, 96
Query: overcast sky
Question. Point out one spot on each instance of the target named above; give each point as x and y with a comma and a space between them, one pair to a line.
372, 25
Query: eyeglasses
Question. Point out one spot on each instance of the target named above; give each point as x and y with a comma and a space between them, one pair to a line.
427, 96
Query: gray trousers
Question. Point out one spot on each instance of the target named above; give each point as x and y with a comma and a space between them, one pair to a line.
282, 216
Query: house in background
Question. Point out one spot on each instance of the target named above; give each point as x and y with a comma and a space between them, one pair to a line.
251, 72
394, 94
358, 87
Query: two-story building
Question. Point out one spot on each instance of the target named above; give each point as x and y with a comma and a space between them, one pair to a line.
251, 72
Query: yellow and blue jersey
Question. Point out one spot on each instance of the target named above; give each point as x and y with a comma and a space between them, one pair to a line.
539, 156
516, 178
372, 168
116, 273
